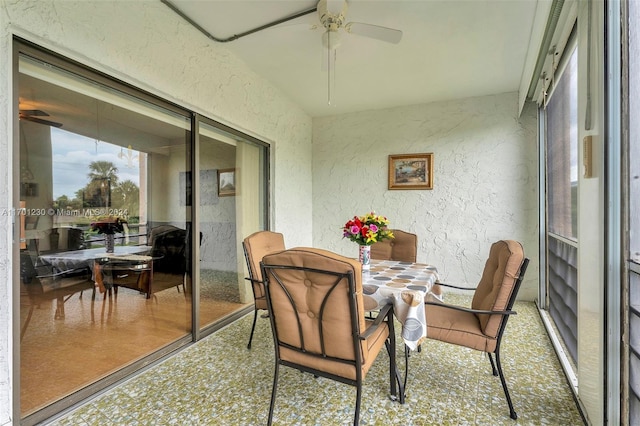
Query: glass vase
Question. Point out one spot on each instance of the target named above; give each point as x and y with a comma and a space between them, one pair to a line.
109, 242
364, 256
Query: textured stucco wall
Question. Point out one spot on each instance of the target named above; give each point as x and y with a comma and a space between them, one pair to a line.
146, 44
485, 180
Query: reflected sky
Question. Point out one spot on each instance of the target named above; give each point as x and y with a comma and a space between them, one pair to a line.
72, 154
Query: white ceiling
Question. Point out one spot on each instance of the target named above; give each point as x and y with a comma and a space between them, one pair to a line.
451, 49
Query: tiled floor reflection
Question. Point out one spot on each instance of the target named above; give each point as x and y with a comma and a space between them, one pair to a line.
219, 382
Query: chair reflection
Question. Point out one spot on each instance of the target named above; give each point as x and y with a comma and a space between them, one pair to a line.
43, 283
162, 268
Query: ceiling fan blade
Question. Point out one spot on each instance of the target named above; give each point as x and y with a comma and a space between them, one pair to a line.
41, 121
34, 112
374, 31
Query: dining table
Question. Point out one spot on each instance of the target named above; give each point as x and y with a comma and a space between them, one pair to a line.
91, 259
407, 286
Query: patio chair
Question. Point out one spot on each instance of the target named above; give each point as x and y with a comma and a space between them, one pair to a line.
482, 326
317, 319
255, 246
43, 283
403, 247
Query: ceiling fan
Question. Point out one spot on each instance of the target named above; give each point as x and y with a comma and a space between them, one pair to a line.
333, 21
332, 15
35, 114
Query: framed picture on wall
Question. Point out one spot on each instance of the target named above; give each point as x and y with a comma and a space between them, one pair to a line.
226, 182
411, 171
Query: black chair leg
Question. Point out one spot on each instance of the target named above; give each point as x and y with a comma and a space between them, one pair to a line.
407, 354
395, 380
255, 317
512, 412
356, 418
273, 394
493, 366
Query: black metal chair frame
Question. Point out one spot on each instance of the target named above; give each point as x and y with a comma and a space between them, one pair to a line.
385, 315
255, 296
505, 317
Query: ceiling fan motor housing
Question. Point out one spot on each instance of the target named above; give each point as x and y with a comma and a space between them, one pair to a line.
332, 20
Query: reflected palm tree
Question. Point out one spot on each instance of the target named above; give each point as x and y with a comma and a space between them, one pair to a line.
102, 171
103, 176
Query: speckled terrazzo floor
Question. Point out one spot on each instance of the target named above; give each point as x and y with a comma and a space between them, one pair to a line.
218, 381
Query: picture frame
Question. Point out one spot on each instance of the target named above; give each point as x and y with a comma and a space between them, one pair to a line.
411, 171
226, 182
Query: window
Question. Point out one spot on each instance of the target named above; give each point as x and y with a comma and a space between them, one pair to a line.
562, 153
561, 143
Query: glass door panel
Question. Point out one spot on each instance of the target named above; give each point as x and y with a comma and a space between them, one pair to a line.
562, 191
98, 167
232, 194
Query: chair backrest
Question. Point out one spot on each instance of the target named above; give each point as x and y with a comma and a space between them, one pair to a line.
169, 247
316, 307
500, 282
256, 246
403, 247
75, 239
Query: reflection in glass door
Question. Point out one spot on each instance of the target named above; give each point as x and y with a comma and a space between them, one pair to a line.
232, 194
104, 232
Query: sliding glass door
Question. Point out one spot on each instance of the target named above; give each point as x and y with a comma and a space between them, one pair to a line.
231, 190
113, 274
96, 169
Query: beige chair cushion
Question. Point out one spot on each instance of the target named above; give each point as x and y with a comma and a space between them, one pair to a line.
257, 245
496, 285
457, 327
403, 247
308, 289
493, 292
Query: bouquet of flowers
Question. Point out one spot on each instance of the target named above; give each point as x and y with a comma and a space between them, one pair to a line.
109, 225
367, 229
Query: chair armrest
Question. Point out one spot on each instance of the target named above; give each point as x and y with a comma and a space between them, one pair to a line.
472, 311
253, 280
453, 286
386, 311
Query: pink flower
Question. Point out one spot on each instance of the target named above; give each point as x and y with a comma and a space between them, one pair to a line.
354, 230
